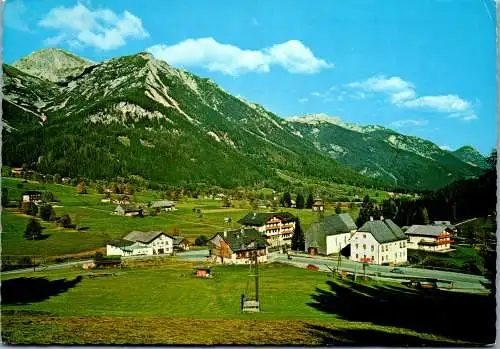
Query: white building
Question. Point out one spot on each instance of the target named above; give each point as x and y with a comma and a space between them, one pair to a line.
433, 238
330, 234
277, 228
379, 242
141, 243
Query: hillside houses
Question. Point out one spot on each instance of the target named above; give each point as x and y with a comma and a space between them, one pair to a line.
435, 238
276, 228
330, 235
128, 211
237, 247
163, 205
379, 242
141, 243
181, 243
34, 196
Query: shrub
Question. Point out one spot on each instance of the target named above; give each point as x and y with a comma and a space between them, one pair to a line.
201, 240
47, 213
47, 196
65, 221
29, 208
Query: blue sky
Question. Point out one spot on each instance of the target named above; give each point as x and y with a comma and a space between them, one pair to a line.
424, 68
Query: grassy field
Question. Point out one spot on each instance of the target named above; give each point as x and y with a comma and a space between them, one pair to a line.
463, 258
86, 210
168, 305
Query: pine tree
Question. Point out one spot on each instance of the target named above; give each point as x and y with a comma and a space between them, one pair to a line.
33, 230
367, 210
310, 201
287, 199
299, 202
298, 240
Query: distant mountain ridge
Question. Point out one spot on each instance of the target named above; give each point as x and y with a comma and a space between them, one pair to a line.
136, 115
382, 153
471, 156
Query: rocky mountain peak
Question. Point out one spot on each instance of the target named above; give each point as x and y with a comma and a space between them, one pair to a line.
52, 64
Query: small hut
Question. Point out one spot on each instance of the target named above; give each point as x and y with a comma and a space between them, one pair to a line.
202, 271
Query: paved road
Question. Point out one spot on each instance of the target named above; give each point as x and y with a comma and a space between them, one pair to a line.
462, 281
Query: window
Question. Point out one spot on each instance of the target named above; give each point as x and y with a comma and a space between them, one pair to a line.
373, 258
364, 236
382, 258
373, 248
356, 256
345, 239
364, 246
357, 246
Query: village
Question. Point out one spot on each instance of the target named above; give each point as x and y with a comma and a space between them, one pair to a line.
264, 236
113, 237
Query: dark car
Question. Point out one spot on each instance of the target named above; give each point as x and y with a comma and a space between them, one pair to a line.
397, 271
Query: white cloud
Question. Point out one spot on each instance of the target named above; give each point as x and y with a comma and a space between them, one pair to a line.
403, 94
409, 122
445, 147
14, 15
292, 55
446, 104
103, 29
380, 83
303, 100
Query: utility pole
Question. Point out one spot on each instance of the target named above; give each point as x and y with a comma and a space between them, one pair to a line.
256, 277
33, 239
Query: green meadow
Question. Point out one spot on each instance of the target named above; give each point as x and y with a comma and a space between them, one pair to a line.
87, 210
166, 304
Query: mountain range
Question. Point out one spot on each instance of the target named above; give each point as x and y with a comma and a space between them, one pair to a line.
138, 116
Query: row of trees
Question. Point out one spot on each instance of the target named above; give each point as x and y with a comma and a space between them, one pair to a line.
286, 201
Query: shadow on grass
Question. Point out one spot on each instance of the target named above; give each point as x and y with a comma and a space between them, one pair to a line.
42, 237
35, 289
458, 316
366, 337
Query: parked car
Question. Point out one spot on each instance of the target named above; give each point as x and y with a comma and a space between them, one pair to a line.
312, 267
397, 271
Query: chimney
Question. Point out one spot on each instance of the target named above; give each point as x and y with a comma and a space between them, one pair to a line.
371, 218
381, 218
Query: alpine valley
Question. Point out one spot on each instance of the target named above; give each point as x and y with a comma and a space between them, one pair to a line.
136, 115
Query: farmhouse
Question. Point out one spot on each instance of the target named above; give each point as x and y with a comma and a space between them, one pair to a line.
163, 205
429, 237
32, 196
141, 243
379, 242
330, 235
17, 172
237, 246
277, 228
128, 211
181, 243
123, 247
